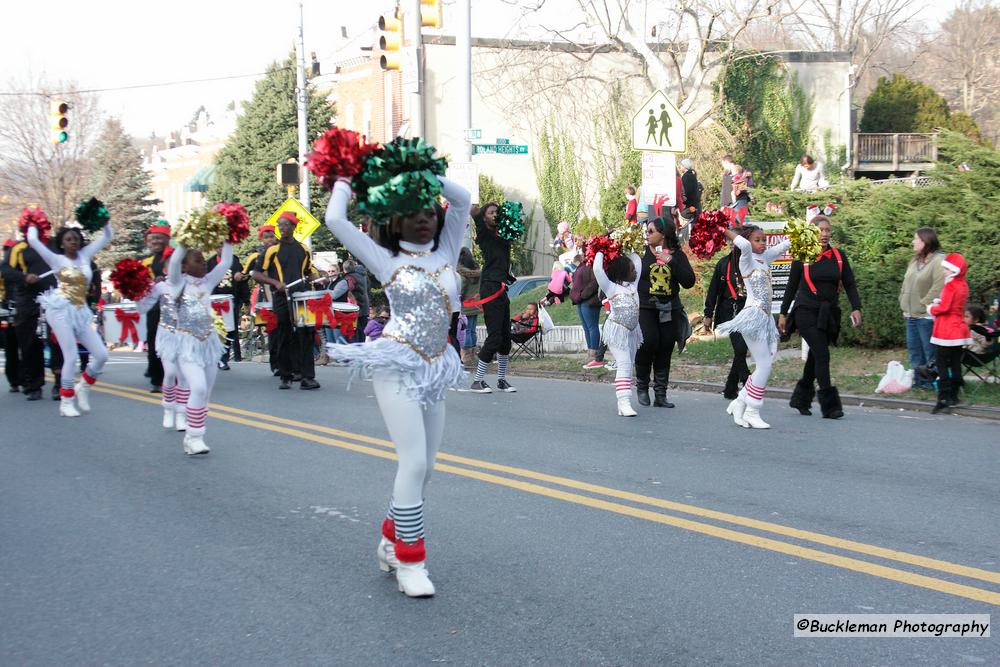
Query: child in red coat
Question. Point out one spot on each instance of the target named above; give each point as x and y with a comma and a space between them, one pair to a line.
950, 333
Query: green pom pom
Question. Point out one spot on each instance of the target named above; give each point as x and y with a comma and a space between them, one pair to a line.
399, 179
510, 221
92, 214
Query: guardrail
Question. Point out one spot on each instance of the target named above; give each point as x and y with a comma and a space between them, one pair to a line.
894, 151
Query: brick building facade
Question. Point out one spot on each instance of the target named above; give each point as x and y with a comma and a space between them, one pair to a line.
368, 100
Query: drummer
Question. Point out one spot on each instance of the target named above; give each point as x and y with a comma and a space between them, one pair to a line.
285, 263
233, 284
251, 264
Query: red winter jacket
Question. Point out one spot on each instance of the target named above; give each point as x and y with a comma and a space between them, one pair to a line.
950, 329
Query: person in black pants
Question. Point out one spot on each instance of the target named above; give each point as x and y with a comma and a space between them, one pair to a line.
234, 284
726, 296
665, 270
21, 273
12, 354
284, 263
815, 288
157, 237
496, 310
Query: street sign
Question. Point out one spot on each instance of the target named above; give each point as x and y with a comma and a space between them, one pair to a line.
307, 223
500, 149
659, 126
465, 174
659, 180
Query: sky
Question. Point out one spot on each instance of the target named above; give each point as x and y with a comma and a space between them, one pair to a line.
116, 43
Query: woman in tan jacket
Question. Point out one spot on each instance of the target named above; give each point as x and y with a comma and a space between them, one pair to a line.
921, 285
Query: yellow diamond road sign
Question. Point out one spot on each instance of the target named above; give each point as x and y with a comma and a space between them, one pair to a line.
659, 126
307, 223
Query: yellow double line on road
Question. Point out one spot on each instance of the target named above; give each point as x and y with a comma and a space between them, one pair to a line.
477, 469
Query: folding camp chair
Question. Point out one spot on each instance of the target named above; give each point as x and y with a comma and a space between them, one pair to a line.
985, 366
529, 343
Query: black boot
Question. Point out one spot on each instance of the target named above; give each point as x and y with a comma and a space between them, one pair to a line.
732, 389
642, 384
660, 389
829, 403
944, 394
802, 397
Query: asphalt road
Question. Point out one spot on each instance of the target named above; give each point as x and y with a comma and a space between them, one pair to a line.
558, 533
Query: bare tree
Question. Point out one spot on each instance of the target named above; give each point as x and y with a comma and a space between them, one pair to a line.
33, 170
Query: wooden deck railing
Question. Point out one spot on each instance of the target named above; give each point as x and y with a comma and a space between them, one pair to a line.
894, 152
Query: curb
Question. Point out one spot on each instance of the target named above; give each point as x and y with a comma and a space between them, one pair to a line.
982, 412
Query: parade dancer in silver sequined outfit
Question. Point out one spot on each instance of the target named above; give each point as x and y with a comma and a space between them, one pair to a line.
68, 315
622, 333
755, 321
195, 344
412, 365
175, 387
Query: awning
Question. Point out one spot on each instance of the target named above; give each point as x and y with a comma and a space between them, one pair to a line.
201, 180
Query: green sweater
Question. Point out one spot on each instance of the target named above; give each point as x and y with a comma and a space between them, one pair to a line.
921, 285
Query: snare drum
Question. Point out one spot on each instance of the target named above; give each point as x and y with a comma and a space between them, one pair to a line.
224, 306
303, 316
344, 307
262, 305
123, 324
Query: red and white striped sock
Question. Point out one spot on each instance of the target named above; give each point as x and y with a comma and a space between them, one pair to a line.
755, 394
169, 395
196, 420
181, 395
623, 386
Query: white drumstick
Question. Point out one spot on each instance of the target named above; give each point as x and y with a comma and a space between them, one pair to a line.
46, 274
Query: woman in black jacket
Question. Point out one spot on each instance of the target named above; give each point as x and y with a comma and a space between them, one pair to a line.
665, 270
726, 296
815, 288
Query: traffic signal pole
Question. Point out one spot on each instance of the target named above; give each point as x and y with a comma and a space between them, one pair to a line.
302, 97
413, 44
463, 44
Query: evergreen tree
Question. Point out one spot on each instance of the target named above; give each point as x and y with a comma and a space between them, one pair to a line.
904, 105
118, 179
266, 135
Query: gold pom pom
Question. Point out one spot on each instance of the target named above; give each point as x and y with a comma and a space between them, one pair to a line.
220, 328
804, 236
202, 229
630, 238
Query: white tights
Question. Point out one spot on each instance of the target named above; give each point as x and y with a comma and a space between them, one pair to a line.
66, 337
416, 431
623, 376
175, 387
762, 354
201, 379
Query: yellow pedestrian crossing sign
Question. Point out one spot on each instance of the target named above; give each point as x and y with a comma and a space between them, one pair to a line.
659, 126
307, 223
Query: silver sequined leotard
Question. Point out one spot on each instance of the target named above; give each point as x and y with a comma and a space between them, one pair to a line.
755, 321
621, 330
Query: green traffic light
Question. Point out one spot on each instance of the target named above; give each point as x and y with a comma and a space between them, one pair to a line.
63, 137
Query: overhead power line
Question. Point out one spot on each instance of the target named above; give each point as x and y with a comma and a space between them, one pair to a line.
137, 86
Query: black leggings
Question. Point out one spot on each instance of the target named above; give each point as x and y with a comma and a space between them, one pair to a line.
496, 315
739, 371
817, 367
949, 364
658, 341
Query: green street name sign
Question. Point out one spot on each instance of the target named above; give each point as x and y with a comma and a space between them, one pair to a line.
501, 147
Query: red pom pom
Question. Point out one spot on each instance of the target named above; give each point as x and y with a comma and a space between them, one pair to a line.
35, 217
132, 278
237, 219
604, 244
338, 153
709, 234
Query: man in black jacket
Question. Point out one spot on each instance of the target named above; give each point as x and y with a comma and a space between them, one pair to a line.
496, 309
157, 237
12, 354
233, 284
21, 273
726, 296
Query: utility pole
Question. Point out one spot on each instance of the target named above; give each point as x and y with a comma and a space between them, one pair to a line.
463, 44
414, 59
302, 98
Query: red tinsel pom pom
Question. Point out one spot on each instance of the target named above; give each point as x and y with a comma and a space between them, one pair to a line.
604, 244
237, 219
132, 279
338, 153
709, 234
35, 217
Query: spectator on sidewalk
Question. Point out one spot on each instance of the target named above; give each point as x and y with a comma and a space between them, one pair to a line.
922, 283
585, 295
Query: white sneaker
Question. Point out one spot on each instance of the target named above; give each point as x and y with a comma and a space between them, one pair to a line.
414, 580
625, 407
168, 417
180, 421
386, 555
737, 408
751, 417
67, 408
194, 445
82, 390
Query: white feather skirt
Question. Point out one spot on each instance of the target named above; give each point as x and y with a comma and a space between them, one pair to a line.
185, 348
620, 338
425, 381
58, 306
754, 324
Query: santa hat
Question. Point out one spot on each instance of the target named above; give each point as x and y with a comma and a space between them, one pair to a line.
161, 227
265, 228
811, 212
954, 264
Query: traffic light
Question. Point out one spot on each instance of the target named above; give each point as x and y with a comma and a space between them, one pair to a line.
60, 123
430, 13
390, 42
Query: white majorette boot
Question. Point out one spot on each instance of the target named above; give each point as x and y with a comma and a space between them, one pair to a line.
82, 390
751, 417
737, 408
180, 420
194, 444
411, 572
67, 408
168, 417
625, 407
386, 551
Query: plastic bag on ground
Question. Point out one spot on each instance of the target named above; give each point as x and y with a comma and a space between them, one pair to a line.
897, 380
